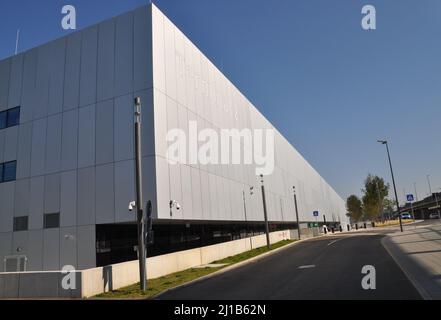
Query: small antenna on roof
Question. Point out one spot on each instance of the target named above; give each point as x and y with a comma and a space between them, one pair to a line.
16, 41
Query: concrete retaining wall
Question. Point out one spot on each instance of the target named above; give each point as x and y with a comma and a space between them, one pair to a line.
94, 281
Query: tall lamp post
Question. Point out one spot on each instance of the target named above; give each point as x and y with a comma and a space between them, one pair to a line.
140, 214
393, 182
268, 244
297, 210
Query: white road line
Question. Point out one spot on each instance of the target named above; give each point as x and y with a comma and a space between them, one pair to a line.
310, 266
332, 242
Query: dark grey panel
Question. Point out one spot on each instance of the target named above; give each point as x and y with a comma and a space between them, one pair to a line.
72, 74
52, 193
68, 198
53, 144
56, 75
104, 132
105, 209
5, 66
69, 145
86, 196
106, 60
86, 137
38, 147
15, 81
88, 66
29, 85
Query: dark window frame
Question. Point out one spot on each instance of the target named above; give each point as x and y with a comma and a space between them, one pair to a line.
49, 224
4, 168
18, 227
8, 121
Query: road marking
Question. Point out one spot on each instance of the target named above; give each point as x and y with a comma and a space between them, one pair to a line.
310, 266
332, 242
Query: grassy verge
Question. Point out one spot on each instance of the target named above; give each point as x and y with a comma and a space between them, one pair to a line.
156, 286
392, 223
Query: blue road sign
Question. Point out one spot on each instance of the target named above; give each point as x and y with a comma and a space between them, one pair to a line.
409, 197
315, 213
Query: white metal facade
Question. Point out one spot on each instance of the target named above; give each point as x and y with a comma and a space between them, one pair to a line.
74, 144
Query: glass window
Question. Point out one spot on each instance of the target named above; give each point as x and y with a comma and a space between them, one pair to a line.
21, 223
51, 220
9, 171
13, 117
3, 118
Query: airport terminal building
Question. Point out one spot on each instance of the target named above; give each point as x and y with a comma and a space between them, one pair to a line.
67, 150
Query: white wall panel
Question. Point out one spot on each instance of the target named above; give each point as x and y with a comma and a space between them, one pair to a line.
68, 198
176, 188
86, 196
68, 247
86, 136
69, 144
56, 76
187, 201
36, 203
160, 124
20, 242
5, 247
105, 209
29, 92
170, 61
158, 49
162, 187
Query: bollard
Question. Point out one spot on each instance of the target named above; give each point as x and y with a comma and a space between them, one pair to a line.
332, 229
349, 227
365, 225
341, 229
356, 226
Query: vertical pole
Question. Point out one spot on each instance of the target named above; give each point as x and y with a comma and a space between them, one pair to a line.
17, 39
297, 212
139, 202
268, 244
416, 193
395, 189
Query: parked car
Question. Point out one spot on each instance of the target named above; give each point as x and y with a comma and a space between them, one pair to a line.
434, 215
406, 215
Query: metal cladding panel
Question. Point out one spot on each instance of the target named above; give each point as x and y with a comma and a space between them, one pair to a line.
182, 74
72, 73
124, 128
51, 249
57, 57
69, 140
142, 35
53, 144
124, 190
5, 247
5, 68
35, 250
15, 81
68, 198
86, 196
68, 247
22, 197
38, 147
86, 243
105, 209
106, 60
24, 150
88, 75
52, 193
86, 136
36, 203
10, 146
124, 54
6, 206
104, 132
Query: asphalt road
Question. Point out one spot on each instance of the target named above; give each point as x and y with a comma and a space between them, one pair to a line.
334, 272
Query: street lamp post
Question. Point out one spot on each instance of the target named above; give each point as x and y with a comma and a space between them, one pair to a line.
297, 211
393, 182
268, 244
140, 214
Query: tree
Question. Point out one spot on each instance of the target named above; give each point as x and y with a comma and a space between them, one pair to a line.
374, 192
354, 206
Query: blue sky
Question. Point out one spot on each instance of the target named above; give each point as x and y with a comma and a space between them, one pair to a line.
329, 86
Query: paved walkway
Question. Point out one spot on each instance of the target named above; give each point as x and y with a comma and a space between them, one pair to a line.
418, 252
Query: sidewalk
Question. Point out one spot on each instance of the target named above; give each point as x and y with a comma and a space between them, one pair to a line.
418, 252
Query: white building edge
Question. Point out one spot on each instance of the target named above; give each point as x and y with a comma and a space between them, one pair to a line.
74, 155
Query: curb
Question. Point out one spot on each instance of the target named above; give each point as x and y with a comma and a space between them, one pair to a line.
234, 266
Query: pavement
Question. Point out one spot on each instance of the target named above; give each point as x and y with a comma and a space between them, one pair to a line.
418, 252
321, 268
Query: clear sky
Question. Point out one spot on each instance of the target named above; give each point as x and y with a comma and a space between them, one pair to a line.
329, 86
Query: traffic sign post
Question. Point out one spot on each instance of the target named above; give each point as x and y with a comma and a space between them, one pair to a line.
410, 199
